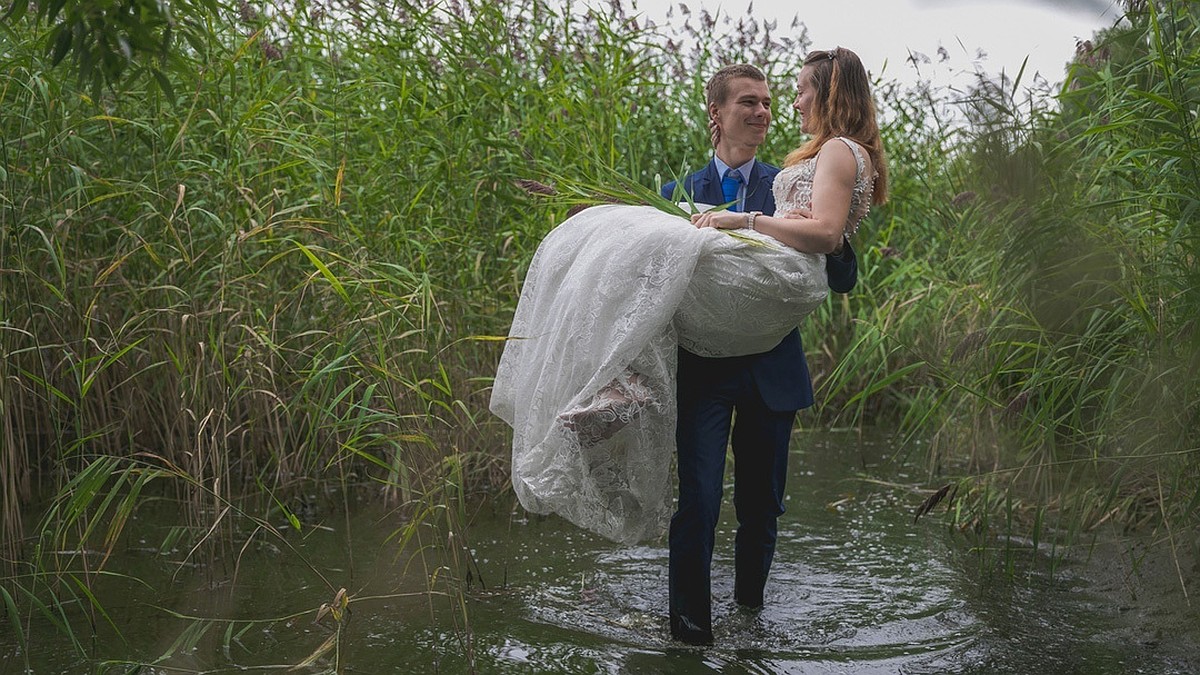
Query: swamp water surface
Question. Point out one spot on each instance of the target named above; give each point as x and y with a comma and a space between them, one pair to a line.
857, 587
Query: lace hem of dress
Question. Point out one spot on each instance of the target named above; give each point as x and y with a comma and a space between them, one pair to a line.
587, 380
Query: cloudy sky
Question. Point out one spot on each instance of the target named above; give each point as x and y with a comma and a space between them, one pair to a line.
885, 31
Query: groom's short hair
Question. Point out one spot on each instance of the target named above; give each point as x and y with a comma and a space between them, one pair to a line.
717, 89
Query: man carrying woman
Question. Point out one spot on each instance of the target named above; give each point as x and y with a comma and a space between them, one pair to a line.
638, 331
764, 389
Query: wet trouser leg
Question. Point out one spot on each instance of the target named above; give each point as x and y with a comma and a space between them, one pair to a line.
702, 434
760, 453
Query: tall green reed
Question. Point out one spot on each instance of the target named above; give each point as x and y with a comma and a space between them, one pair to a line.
1029, 305
270, 269
280, 271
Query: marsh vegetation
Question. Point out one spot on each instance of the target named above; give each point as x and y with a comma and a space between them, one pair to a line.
257, 279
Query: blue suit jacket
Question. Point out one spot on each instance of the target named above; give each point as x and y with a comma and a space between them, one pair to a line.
782, 373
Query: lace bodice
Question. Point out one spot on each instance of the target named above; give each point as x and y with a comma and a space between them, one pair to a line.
794, 187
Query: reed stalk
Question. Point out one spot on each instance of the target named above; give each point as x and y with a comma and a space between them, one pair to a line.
282, 260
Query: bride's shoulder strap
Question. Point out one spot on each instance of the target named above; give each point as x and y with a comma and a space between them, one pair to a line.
857, 150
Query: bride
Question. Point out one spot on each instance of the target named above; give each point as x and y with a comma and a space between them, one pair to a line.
587, 377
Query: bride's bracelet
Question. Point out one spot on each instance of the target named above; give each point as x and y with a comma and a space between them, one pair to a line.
750, 218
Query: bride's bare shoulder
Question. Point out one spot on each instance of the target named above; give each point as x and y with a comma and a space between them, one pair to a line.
837, 158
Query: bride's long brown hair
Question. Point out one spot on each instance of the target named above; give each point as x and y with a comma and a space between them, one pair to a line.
843, 106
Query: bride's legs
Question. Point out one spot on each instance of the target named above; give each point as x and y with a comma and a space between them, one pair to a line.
612, 408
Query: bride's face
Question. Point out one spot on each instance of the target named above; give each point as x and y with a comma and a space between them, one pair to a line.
746, 114
806, 95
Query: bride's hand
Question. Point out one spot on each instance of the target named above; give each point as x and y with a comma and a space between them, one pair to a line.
714, 132
723, 220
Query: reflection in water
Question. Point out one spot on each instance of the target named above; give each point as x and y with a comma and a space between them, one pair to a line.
857, 587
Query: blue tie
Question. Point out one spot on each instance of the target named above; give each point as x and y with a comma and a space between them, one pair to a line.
729, 187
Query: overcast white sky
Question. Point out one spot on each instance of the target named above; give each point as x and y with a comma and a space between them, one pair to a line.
886, 30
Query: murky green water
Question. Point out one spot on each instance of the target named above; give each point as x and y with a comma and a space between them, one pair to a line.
857, 588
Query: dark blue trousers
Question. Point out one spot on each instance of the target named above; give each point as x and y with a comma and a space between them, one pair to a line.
715, 398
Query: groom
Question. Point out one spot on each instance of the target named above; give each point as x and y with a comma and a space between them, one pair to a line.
762, 391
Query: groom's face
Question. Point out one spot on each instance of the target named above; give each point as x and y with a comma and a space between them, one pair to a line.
745, 115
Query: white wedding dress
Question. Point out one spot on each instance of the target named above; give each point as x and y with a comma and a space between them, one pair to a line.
610, 295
